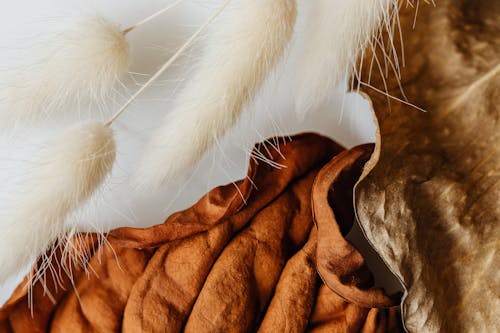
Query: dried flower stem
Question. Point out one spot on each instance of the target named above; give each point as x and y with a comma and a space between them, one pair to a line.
168, 63
149, 18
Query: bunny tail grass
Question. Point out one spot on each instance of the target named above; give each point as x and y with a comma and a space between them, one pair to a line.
81, 65
342, 29
68, 172
241, 52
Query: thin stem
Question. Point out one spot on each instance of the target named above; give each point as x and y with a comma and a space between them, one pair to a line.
168, 63
149, 18
392, 97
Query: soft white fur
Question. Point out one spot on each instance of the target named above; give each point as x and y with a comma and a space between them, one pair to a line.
73, 68
67, 173
241, 52
340, 31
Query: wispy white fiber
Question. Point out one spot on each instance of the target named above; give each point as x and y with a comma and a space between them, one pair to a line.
338, 32
240, 54
81, 65
67, 172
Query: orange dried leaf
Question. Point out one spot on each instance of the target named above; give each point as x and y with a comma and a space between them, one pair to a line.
221, 265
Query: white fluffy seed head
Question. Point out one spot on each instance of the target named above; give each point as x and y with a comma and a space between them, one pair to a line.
243, 49
79, 66
68, 171
334, 42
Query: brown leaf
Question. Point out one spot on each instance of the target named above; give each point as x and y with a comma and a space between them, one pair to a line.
430, 205
225, 266
32, 313
340, 265
225, 200
332, 313
295, 293
240, 285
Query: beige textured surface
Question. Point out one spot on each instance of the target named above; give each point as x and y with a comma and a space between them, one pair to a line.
430, 205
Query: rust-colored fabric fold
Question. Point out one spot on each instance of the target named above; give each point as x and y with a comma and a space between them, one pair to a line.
240, 260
